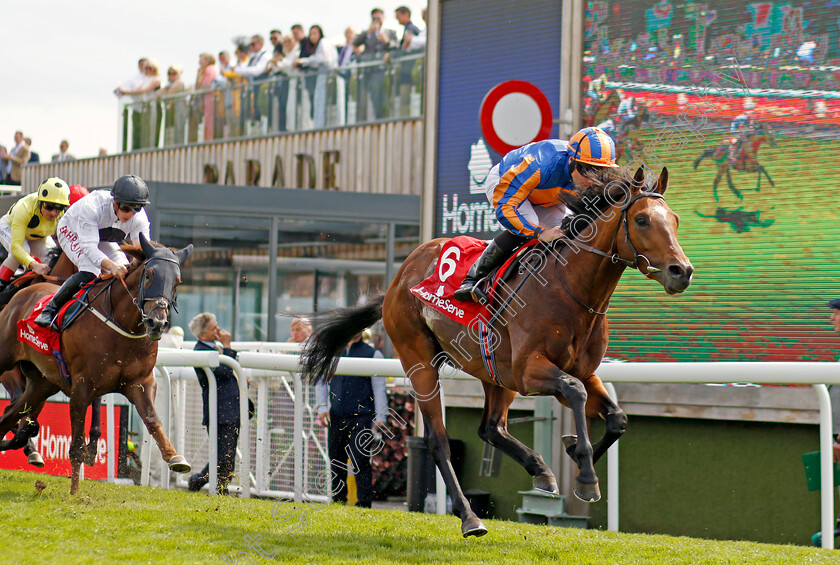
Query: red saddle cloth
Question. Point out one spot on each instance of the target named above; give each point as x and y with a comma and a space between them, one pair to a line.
454, 262
43, 340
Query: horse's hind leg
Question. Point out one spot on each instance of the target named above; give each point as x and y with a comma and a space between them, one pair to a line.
95, 431
141, 393
416, 358
493, 430
79, 400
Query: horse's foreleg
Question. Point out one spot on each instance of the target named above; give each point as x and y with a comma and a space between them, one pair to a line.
141, 393
95, 431
542, 377
732, 186
761, 169
78, 408
599, 403
426, 385
31, 451
493, 430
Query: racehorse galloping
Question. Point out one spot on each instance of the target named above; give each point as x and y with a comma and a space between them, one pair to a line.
551, 346
116, 355
60, 268
746, 160
598, 111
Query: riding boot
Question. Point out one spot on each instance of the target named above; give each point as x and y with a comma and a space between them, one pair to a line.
492, 257
70, 287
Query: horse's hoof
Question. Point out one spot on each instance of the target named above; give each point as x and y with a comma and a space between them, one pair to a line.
179, 464
546, 483
36, 460
90, 459
587, 492
569, 441
473, 527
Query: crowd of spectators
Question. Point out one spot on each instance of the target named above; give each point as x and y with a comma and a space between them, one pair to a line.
236, 96
21, 153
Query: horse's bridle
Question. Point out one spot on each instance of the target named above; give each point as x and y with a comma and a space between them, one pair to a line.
613, 254
160, 301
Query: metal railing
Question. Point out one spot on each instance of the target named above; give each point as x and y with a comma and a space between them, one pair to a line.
816, 374
273, 104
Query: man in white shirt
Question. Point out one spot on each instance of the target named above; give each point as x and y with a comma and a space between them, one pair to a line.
129, 85
254, 69
90, 232
19, 144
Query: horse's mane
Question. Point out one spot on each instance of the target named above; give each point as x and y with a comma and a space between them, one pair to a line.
135, 253
608, 188
52, 256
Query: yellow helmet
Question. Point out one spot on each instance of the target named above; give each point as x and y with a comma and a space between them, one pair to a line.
54, 190
594, 147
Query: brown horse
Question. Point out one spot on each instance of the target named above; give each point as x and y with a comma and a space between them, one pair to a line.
746, 160
548, 341
111, 347
60, 268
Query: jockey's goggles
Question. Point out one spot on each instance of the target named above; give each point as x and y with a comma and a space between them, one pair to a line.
125, 208
50, 207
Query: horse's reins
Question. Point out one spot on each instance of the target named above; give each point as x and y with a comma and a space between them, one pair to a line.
138, 302
613, 256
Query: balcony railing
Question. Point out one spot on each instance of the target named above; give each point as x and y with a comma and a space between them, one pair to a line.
352, 95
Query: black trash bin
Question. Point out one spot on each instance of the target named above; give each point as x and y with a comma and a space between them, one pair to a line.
421, 473
479, 502
421, 470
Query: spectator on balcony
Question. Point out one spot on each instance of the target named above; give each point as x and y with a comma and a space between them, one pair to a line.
405, 68
240, 97
131, 112
279, 68
377, 42
146, 122
205, 79
418, 43
34, 158
298, 34
320, 57
3, 155
347, 57
275, 36
62, 154
16, 159
254, 70
175, 107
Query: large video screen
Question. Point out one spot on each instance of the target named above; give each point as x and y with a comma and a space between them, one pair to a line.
741, 101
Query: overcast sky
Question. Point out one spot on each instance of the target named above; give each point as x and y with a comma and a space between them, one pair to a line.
62, 60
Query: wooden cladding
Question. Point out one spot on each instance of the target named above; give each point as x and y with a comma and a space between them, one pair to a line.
383, 158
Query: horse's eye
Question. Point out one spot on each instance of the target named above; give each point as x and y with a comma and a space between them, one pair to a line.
641, 220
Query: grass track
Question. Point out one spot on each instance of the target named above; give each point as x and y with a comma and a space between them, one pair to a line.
108, 523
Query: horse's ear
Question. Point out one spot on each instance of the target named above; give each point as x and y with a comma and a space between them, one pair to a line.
184, 254
146, 246
662, 182
639, 178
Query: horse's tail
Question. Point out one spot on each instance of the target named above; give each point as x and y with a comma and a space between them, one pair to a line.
334, 329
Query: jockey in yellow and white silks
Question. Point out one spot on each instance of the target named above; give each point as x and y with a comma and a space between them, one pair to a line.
90, 233
526, 190
26, 230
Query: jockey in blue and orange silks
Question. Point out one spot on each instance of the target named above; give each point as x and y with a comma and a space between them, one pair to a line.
526, 191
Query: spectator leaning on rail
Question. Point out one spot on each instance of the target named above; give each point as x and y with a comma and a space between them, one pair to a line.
26, 230
526, 191
349, 406
213, 338
89, 234
300, 328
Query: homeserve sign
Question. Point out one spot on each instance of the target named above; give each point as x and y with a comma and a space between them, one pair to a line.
27, 334
446, 266
473, 216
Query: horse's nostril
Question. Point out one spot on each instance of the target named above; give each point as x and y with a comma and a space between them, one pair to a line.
676, 271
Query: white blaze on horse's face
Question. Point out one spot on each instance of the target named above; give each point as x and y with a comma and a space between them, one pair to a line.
653, 231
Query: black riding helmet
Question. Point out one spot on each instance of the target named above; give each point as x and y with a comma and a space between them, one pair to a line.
131, 190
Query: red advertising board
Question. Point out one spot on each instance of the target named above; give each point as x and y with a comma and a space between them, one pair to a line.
53, 442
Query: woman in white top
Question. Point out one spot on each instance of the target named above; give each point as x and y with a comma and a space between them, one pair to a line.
321, 57
90, 232
149, 126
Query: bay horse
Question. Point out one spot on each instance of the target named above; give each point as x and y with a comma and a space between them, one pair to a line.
111, 347
551, 346
60, 268
746, 161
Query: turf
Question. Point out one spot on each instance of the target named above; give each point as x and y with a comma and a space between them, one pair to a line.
107, 523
